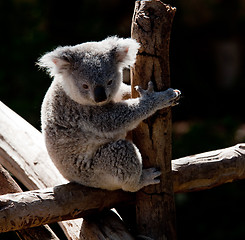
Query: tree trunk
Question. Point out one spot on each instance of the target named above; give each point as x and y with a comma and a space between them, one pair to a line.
155, 208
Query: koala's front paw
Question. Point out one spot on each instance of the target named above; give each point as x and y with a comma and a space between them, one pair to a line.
169, 97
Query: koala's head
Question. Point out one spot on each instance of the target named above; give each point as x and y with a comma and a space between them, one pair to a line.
91, 73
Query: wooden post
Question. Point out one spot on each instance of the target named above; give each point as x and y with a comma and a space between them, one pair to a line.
155, 208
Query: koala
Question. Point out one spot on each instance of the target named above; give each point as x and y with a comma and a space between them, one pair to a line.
85, 121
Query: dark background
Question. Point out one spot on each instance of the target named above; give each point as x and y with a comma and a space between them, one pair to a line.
207, 64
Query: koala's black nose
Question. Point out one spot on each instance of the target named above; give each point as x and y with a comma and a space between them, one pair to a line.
99, 94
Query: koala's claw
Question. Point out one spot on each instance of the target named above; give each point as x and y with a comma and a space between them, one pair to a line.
84, 164
178, 93
141, 91
175, 101
149, 176
150, 87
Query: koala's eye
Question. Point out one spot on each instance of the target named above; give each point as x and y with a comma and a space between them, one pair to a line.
85, 86
109, 83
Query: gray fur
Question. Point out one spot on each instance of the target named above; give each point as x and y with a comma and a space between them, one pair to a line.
85, 121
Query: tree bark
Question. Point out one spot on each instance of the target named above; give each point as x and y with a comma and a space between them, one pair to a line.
8, 185
23, 153
68, 201
155, 208
37, 233
104, 226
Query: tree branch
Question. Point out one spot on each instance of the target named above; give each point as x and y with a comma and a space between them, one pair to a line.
209, 169
8, 185
64, 202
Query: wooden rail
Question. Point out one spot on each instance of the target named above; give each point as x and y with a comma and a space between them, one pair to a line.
191, 173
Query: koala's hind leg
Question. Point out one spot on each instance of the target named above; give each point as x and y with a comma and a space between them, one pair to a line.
119, 165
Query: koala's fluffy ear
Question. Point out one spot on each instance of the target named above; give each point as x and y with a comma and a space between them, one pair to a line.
125, 50
55, 62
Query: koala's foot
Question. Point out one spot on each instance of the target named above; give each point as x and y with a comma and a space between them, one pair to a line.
83, 163
149, 177
118, 165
